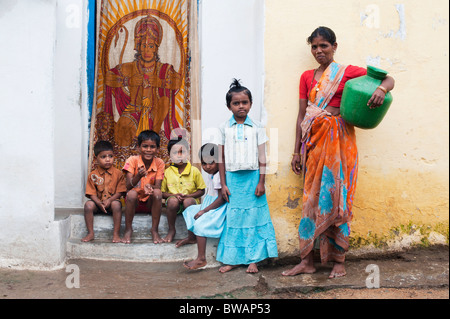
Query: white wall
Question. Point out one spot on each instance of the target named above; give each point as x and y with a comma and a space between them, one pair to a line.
29, 236
231, 46
71, 137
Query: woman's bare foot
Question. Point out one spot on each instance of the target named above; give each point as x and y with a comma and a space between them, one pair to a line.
195, 264
170, 236
185, 241
252, 268
337, 271
126, 239
156, 238
301, 268
89, 237
227, 268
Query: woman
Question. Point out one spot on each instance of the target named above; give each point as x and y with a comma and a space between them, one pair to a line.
325, 150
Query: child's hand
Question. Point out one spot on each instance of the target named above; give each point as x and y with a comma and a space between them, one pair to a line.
200, 213
106, 203
148, 189
102, 207
179, 196
260, 190
225, 193
142, 171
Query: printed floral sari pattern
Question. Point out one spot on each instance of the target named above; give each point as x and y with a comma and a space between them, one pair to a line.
330, 163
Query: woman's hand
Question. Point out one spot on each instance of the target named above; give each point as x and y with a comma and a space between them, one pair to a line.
296, 164
377, 99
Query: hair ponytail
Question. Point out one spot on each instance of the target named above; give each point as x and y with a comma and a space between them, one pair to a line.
236, 87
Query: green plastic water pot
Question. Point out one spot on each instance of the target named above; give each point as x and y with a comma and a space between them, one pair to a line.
357, 92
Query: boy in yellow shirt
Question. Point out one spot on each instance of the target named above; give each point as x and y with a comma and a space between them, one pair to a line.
183, 184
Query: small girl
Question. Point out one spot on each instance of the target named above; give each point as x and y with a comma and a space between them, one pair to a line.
248, 236
207, 219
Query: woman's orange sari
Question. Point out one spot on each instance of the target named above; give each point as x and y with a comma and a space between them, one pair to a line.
330, 165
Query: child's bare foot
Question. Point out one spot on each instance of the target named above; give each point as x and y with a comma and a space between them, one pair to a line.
170, 236
195, 264
89, 237
227, 268
116, 238
185, 241
156, 238
301, 268
337, 271
252, 268
126, 239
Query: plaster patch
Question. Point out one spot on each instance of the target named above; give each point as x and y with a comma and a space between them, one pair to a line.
373, 61
401, 33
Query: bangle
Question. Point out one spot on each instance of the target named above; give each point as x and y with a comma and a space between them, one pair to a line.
382, 88
294, 154
131, 182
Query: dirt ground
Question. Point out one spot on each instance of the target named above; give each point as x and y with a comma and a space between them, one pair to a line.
415, 274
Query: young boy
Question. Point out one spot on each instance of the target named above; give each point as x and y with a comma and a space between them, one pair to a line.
144, 175
104, 187
183, 184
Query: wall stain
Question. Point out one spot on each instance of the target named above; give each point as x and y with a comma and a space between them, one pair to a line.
292, 203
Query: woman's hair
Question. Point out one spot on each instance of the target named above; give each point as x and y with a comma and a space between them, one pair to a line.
148, 135
209, 151
325, 32
236, 87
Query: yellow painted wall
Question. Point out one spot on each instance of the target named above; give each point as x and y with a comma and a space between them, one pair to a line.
403, 174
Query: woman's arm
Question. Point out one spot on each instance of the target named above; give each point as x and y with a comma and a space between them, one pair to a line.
296, 159
377, 98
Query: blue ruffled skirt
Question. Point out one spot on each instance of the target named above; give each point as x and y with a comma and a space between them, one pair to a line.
248, 235
211, 223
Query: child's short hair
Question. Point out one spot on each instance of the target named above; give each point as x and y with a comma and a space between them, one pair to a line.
149, 135
236, 87
180, 140
209, 150
102, 146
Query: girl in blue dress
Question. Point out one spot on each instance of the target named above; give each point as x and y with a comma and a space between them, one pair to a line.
248, 236
205, 220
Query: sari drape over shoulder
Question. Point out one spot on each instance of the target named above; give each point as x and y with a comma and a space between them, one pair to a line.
329, 164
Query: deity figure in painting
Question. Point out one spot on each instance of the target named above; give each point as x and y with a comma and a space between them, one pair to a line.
143, 91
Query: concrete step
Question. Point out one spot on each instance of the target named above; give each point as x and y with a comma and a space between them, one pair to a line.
141, 249
142, 223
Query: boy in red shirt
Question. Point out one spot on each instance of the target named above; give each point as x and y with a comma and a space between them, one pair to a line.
144, 175
105, 186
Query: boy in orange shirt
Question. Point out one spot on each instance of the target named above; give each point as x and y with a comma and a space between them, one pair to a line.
144, 175
104, 187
